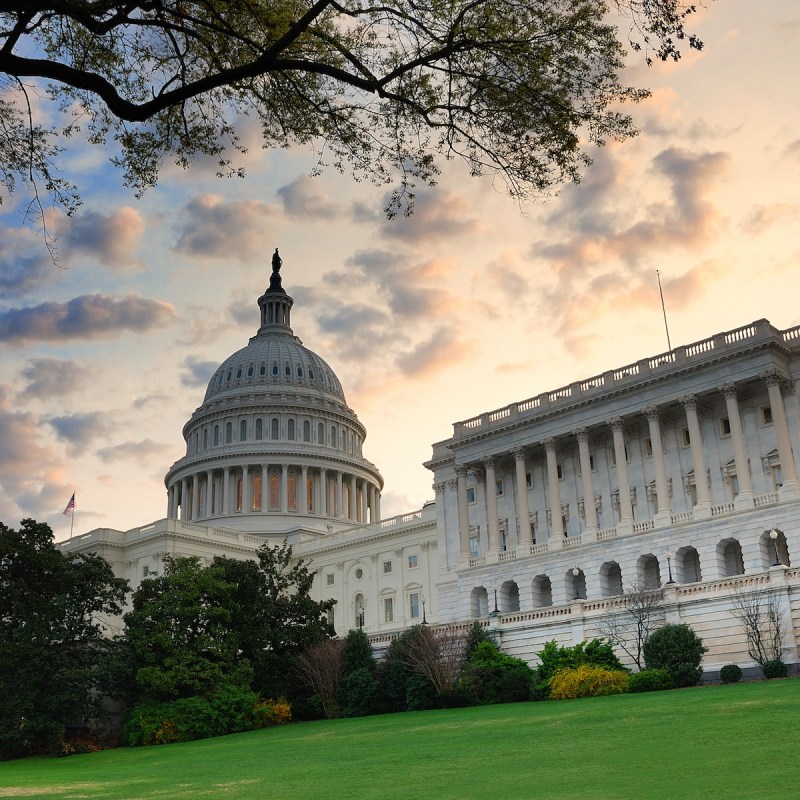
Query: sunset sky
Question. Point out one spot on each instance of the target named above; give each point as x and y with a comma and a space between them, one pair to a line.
470, 304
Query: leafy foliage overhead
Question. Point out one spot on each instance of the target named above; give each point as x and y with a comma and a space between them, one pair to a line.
513, 87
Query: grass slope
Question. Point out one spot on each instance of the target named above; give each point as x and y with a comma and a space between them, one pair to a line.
738, 741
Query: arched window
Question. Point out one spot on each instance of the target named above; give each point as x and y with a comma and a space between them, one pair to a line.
576, 584
287, 370
256, 504
259, 428
250, 371
216, 435
648, 571
243, 431
321, 433
479, 602
729, 556
205, 438
306, 431
275, 369
508, 596
274, 492
333, 437
611, 579
360, 610
292, 491
542, 592
275, 428
290, 430
774, 549
228, 432
687, 565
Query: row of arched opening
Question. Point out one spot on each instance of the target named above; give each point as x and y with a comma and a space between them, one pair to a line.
682, 567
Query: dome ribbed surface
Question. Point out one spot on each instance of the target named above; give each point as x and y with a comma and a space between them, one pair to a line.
275, 360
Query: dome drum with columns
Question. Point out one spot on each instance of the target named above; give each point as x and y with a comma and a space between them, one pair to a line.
274, 447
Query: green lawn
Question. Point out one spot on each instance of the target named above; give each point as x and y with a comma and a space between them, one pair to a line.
732, 742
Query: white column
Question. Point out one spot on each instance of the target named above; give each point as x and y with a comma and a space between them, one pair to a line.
463, 510
378, 504
339, 494
323, 492
745, 497
788, 469
364, 517
247, 504
491, 505
523, 511
553, 489
284, 488
195, 497
371, 501
186, 511
703, 506
351, 511
625, 508
303, 505
664, 514
209, 485
170, 500
264, 488
225, 503
589, 510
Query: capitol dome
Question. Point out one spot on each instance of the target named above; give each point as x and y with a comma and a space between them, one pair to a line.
274, 446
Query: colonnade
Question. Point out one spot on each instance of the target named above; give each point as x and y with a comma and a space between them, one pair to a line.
270, 488
486, 470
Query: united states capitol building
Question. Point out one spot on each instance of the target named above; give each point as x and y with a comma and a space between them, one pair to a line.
676, 472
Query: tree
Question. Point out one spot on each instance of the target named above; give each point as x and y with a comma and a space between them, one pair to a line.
180, 633
679, 649
515, 88
53, 614
630, 628
275, 617
321, 664
437, 653
761, 617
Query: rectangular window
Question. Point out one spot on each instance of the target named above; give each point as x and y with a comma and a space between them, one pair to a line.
498, 486
329, 578
529, 480
725, 426
387, 567
145, 571
388, 609
471, 494
687, 440
412, 562
592, 464
648, 446
614, 455
559, 472
474, 547
766, 415
413, 601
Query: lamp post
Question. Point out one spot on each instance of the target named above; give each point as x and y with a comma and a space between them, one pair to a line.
424, 619
773, 534
496, 609
575, 573
668, 556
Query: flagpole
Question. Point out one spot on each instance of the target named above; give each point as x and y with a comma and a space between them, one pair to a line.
664, 310
71, 522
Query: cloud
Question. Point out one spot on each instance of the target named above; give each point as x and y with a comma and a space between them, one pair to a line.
81, 428
214, 228
52, 377
763, 217
302, 199
437, 215
143, 452
96, 316
25, 263
197, 373
793, 150
111, 238
445, 348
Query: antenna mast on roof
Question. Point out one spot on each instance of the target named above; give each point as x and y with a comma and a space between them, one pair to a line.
664, 310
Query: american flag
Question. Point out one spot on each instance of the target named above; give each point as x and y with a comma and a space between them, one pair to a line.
70, 505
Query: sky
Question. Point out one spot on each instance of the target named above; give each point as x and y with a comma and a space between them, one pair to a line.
470, 304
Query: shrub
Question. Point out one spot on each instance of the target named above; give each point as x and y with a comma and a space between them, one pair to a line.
553, 659
232, 710
775, 668
676, 648
359, 693
730, 673
491, 676
651, 680
587, 681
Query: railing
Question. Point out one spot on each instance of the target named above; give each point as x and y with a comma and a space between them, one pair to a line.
725, 508
478, 561
765, 499
568, 543
643, 527
680, 355
507, 555
606, 535
683, 516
